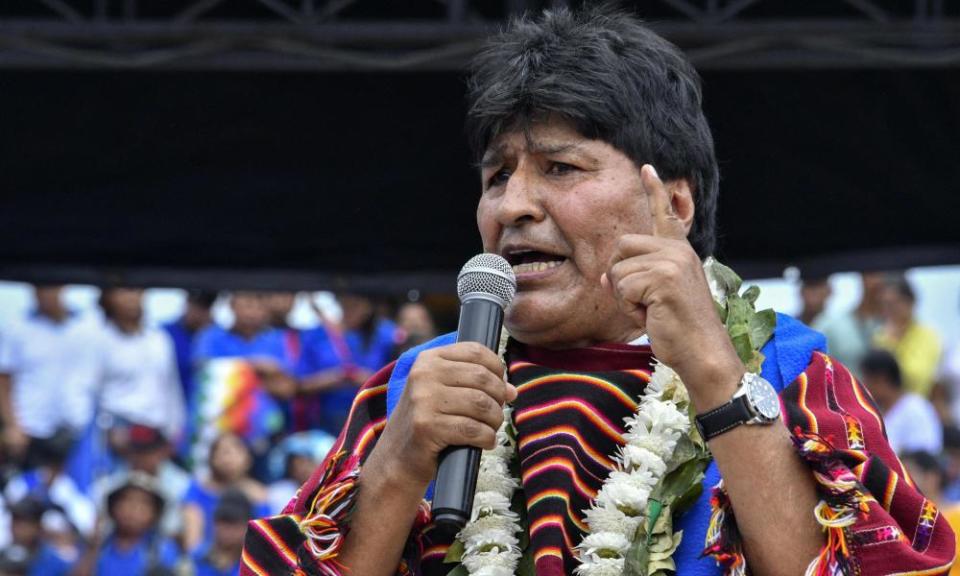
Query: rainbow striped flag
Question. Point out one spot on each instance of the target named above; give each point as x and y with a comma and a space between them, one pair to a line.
229, 398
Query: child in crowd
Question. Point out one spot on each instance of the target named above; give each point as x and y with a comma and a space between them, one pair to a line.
230, 461
292, 462
222, 556
134, 545
60, 550
145, 449
25, 537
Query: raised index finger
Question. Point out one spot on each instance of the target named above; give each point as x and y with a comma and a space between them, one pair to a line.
666, 224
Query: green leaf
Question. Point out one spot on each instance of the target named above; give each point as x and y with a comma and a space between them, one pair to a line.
751, 294
454, 553
682, 481
761, 327
721, 311
726, 279
654, 508
741, 343
738, 313
458, 571
637, 559
756, 363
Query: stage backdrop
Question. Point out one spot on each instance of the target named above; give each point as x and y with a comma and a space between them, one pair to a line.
321, 180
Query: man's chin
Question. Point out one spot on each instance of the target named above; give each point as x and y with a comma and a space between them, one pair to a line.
533, 319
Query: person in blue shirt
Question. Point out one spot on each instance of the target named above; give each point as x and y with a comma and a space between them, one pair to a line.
230, 463
252, 338
336, 359
184, 330
134, 546
222, 556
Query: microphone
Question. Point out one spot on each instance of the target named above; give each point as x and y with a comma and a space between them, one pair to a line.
486, 286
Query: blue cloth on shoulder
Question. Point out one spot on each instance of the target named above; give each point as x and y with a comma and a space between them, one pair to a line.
787, 354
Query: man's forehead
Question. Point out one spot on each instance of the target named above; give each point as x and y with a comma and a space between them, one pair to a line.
538, 139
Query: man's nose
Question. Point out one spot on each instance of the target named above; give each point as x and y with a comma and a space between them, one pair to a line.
522, 199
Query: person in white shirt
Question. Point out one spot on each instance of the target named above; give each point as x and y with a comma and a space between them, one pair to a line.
37, 354
911, 421
133, 368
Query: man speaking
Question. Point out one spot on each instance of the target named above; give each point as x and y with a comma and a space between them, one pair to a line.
630, 423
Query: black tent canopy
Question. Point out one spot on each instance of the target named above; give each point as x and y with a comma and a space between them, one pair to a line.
307, 180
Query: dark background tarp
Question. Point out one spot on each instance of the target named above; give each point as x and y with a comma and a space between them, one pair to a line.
263, 179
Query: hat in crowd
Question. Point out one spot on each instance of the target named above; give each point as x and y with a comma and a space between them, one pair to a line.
234, 506
136, 480
142, 438
27, 509
55, 449
313, 444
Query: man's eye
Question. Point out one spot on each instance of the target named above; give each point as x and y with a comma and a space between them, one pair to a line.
499, 177
561, 168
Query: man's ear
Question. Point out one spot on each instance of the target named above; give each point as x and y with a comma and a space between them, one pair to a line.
681, 201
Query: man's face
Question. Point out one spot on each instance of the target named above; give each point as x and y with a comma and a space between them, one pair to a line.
882, 390
134, 512
48, 299
896, 306
280, 304
250, 311
815, 295
126, 304
553, 204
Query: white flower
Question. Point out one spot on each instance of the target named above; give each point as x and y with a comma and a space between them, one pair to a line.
491, 541
487, 503
632, 457
488, 525
601, 567
662, 417
494, 571
665, 384
601, 519
494, 562
503, 484
604, 544
626, 497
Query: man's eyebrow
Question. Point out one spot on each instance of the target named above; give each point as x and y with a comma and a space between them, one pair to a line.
494, 156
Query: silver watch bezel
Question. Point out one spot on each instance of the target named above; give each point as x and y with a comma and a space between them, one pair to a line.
746, 389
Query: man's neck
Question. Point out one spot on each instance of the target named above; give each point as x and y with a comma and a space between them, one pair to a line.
57, 315
127, 326
224, 558
125, 541
245, 332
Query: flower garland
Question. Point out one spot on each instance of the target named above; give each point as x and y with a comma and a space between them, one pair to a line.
657, 473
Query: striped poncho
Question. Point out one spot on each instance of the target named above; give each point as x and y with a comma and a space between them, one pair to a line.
569, 416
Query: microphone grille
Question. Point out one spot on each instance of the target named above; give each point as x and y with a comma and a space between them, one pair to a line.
488, 274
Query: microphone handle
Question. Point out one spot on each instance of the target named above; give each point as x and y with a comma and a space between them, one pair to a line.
480, 321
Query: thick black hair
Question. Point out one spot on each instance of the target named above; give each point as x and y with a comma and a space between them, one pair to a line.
882, 363
615, 80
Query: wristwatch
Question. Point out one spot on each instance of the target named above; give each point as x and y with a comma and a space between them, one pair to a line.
755, 402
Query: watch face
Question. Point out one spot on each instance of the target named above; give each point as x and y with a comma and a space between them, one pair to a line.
763, 397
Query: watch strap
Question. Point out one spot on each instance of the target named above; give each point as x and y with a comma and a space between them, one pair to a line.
724, 418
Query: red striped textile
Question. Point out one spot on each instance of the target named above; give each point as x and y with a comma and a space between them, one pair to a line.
569, 415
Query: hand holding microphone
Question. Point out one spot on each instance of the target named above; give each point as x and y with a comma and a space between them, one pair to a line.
455, 394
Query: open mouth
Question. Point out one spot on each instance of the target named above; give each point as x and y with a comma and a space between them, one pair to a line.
532, 261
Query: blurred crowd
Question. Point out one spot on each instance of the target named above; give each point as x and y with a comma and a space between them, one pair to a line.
912, 375
129, 449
